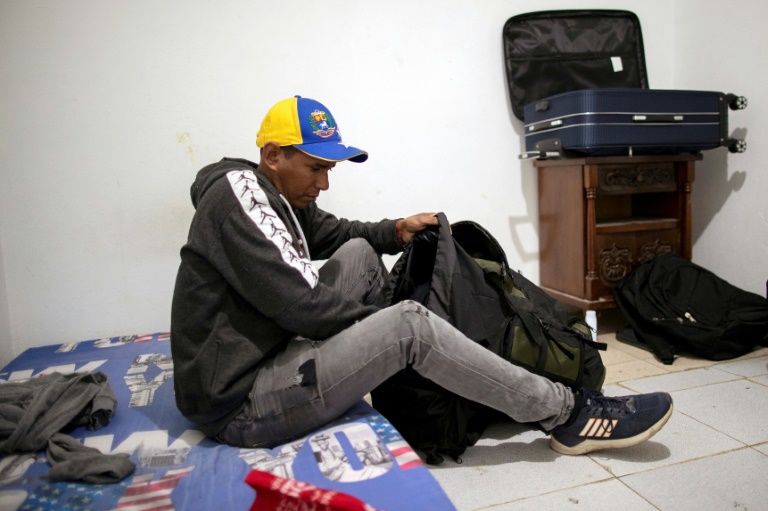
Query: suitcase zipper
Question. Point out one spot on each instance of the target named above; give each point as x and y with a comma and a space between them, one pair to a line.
571, 56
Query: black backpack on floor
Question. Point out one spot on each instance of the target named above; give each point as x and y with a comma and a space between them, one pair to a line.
460, 273
674, 305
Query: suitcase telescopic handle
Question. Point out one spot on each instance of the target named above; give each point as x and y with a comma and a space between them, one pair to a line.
657, 118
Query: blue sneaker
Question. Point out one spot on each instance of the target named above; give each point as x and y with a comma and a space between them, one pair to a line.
600, 422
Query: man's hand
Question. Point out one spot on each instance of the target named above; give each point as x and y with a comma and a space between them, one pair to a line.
407, 227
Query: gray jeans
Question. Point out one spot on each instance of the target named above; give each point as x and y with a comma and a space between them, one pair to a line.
311, 383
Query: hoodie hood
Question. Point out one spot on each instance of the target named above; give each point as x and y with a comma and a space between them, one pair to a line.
211, 173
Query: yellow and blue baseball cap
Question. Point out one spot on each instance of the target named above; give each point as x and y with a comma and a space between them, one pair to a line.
309, 126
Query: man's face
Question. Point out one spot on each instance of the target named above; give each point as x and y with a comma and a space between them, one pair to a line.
301, 178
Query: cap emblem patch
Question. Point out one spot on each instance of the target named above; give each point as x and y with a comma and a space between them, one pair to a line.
322, 124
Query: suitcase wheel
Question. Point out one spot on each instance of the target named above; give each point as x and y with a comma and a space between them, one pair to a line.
737, 146
736, 102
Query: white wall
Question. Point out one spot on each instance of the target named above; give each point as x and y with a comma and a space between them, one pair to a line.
6, 349
721, 46
109, 108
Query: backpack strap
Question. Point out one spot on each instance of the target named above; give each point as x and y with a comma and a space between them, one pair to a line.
443, 271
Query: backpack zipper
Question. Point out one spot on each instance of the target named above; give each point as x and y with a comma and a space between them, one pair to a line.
679, 319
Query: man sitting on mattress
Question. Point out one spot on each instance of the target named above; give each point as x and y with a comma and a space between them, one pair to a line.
267, 349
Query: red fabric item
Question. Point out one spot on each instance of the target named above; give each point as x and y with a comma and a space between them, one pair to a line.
277, 493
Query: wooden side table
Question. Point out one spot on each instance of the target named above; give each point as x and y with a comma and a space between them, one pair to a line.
600, 217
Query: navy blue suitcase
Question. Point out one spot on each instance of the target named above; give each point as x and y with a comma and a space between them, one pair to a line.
625, 121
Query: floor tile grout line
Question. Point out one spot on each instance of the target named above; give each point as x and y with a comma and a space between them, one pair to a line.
754, 448
743, 447
492, 506
654, 506
712, 366
710, 426
750, 379
625, 383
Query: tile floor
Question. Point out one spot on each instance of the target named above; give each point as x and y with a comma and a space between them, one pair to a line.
711, 455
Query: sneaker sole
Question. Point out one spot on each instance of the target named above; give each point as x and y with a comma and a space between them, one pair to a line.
596, 445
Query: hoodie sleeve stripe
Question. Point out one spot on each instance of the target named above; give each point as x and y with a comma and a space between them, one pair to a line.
256, 205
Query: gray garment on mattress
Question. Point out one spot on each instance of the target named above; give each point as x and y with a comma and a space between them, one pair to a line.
34, 412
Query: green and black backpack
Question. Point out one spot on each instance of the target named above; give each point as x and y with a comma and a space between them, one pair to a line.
460, 272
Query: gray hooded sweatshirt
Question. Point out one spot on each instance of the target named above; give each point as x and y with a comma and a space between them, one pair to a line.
246, 285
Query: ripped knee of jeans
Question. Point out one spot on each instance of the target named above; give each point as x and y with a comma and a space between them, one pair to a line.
306, 375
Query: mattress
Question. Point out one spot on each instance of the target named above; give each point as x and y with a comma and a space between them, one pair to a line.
360, 456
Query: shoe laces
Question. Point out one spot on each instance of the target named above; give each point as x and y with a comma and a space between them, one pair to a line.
610, 405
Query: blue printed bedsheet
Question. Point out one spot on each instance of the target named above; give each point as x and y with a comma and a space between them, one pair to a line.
361, 454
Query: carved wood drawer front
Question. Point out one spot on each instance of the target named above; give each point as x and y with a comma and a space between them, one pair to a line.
637, 178
618, 254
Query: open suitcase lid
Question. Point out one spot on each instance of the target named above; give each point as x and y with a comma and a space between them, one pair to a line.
550, 52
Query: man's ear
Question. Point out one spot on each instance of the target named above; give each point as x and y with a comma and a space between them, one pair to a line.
270, 154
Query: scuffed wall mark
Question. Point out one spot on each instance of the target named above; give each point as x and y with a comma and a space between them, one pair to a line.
185, 138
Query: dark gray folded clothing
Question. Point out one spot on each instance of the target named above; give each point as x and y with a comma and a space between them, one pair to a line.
72, 461
35, 411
